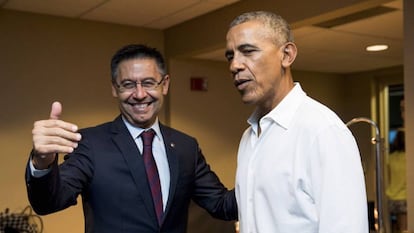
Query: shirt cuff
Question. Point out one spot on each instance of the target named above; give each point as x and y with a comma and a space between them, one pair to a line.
36, 172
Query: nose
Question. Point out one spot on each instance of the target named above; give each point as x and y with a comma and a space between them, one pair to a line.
139, 92
236, 65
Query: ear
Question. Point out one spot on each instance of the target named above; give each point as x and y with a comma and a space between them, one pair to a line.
165, 84
289, 54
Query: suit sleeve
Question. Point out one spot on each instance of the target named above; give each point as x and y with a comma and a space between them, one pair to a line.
211, 194
60, 188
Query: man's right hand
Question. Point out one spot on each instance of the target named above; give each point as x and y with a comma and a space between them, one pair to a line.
51, 137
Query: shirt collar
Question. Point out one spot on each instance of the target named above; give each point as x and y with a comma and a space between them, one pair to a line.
136, 131
283, 113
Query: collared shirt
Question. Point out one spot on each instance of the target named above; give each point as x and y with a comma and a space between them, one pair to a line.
303, 173
159, 153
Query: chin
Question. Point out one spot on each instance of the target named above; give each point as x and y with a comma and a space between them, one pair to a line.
247, 100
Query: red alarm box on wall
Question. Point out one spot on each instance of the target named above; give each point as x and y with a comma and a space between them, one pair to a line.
198, 84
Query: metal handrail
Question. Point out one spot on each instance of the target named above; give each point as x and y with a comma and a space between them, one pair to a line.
378, 167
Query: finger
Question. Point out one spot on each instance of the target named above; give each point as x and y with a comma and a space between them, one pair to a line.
64, 134
55, 114
52, 149
55, 128
48, 127
47, 145
56, 110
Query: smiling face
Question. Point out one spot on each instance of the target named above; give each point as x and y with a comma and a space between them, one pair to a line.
259, 66
139, 106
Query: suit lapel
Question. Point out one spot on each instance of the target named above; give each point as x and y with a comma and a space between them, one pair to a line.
173, 163
129, 150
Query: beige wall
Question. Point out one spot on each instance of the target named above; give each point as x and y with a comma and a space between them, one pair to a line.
216, 117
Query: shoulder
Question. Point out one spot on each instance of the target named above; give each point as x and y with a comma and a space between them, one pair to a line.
306, 112
173, 136
175, 133
319, 112
104, 129
97, 128
318, 119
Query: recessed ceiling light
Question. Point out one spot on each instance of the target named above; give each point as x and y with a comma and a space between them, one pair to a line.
377, 47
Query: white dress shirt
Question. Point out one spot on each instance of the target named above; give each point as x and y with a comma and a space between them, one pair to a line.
303, 174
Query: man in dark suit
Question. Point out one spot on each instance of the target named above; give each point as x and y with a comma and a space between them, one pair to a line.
105, 165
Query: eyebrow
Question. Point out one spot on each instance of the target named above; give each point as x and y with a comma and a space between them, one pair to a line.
243, 46
127, 79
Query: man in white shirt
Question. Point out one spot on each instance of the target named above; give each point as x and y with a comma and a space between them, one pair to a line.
299, 168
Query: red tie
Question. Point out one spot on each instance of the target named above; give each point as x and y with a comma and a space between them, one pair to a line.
152, 172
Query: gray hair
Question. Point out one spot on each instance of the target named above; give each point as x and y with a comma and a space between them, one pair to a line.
279, 28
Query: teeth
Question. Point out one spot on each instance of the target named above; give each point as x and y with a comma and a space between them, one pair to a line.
141, 106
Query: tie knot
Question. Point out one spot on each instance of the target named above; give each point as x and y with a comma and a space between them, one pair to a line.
147, 137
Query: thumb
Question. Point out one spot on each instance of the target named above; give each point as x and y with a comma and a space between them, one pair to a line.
56, 110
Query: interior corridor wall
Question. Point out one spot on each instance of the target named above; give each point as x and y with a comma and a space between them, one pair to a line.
216, 117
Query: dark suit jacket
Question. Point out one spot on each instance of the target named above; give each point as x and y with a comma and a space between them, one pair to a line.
108, 172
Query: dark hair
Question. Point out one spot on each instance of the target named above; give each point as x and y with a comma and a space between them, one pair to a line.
139, 51
399, 142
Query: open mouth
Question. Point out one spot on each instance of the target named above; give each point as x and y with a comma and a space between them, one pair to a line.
241, 83
141, 106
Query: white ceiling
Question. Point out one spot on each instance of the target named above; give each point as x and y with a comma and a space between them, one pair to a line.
339, 49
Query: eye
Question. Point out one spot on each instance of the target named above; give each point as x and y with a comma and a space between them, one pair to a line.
248, 51
229, 56
128, 85
148, 84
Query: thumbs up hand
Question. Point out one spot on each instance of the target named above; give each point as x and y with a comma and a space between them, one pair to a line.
53, 136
